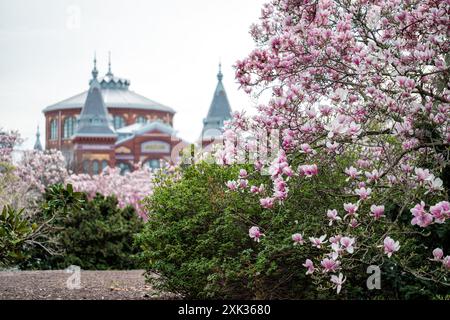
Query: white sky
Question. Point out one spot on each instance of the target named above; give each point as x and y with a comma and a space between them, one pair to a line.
168, 49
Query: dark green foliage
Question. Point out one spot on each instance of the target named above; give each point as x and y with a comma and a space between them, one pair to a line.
93, 234
15, 230
197, 240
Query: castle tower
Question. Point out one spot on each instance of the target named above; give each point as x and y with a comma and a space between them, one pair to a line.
219, 112
94, 138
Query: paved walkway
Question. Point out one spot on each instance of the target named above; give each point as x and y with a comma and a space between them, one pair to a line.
61, 285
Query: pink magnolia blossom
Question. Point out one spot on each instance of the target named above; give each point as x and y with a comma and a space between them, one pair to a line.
255, 233
280, 166
338, 281
243, 173
129, 188
329, 265
318, 242
336, 250
243, 183
325, 110
232, 185
354, 129
354, 223
372, 176
446, 262
257, 190
377, 211
310, 266
280, 189
352, 173
438, 254
267, 202
287, 171
363, 193
297, 238
423, 175
335, 129
435, 185
332, 215
390, 246
347, 244
259, 165
306, 148
364, 163
350, 208
421, 217
440, 211
332, 146
335, 239
308, 170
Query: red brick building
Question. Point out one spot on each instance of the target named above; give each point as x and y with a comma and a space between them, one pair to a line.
110, 125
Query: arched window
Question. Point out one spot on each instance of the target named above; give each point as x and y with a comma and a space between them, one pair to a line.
104, 164
95, 167
86, 166
124, 167
69, 127
53, 129
141, 119
153, 163
119, 122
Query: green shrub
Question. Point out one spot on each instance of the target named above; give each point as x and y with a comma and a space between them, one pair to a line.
93, 234
15, 230
197, 240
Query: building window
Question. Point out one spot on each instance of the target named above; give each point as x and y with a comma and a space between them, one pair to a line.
153, 163
86, 167
141, 119
69, 127
104, 164
95, 167
53, 129
119, 122
124, 167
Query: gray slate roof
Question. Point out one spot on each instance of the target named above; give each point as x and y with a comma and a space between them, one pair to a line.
94, 119
136, 129
37, 144
219, 110
115, 94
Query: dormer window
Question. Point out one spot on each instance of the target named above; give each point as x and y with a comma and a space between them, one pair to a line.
118, 122
69, 127
53, 129
141, 120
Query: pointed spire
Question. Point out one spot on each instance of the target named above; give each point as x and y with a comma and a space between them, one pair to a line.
219, 74
219, 110
109, 65
37, 144
94, 119
94, 70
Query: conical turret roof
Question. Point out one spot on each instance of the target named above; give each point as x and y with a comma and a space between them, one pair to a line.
94, 119
219, 110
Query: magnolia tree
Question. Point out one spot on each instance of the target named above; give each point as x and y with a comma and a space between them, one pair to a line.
25, 175
24, 180
7, 142
40, 169
129, 188
361, 87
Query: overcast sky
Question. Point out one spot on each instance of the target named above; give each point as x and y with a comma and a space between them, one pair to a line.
168, 49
